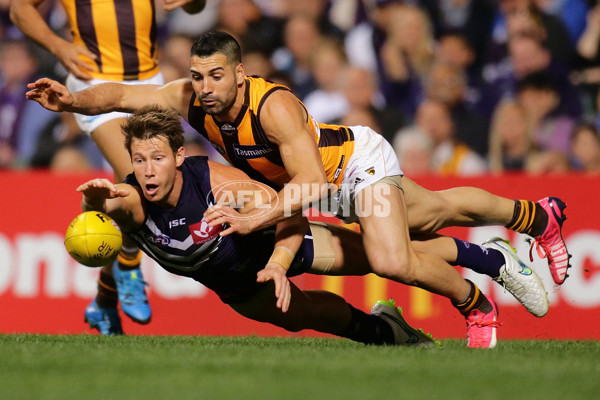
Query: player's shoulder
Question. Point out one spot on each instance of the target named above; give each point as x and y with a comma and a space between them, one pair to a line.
261, 90
197, 169
195, 164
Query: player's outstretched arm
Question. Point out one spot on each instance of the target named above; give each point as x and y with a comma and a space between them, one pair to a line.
25, 15
107, 97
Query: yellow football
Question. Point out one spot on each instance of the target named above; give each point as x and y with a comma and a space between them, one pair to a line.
93, 239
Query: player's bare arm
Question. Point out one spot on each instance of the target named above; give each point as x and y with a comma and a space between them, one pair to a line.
233, 188
122, 202
285, 123
25, 15
107, 97
288, 239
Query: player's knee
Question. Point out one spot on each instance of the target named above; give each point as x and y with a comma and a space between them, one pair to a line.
449, 207
399, 268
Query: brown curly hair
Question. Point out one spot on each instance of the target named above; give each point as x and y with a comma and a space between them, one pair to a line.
152, 121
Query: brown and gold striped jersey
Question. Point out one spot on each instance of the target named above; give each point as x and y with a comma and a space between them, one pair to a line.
121, 33
245, 145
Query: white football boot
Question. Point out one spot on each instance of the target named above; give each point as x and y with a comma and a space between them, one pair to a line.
520, 280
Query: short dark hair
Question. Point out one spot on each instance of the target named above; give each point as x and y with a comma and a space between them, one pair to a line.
152, 121
217, 42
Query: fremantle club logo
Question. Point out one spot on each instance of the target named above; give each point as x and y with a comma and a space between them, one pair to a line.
202, 232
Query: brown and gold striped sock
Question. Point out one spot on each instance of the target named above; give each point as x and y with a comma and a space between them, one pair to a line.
474, 300
129, 258
529, 218
107, 290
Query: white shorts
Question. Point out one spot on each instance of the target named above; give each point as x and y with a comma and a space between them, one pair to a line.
88, 123
373, 159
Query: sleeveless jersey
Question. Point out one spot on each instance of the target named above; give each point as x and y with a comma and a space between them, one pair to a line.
121, 33
246, 146
181, 242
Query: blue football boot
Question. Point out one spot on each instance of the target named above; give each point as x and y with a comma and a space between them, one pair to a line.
105, 320
132, 294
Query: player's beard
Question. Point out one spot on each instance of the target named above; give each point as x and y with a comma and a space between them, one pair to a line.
222, 106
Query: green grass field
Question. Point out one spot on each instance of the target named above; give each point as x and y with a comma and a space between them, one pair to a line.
86, 367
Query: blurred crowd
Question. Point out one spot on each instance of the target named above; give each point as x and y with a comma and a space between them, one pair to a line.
459, 87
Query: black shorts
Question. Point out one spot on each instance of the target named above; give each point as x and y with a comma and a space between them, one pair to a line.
237, 286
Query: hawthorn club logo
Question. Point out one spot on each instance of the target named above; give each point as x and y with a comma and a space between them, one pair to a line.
228, 130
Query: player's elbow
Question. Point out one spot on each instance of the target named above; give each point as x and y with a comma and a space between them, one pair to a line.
321, 178
319, 186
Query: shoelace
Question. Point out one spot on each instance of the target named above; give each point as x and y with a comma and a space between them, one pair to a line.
540, 249
543, 252
481, 323
479, 340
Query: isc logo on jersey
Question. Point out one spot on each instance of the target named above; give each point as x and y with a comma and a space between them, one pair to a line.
202, 232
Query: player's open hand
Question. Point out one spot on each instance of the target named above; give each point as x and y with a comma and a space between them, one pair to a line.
237, 222
69, 53
101, 188
50, 94
275, 272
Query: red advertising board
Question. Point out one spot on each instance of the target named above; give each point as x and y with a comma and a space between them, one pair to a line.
43, 290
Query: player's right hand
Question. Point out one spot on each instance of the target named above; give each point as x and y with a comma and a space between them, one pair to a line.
68, 54
277, 274
101, 188
50, 94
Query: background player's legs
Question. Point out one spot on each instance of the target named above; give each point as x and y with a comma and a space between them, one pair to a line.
328, 313
125, 274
